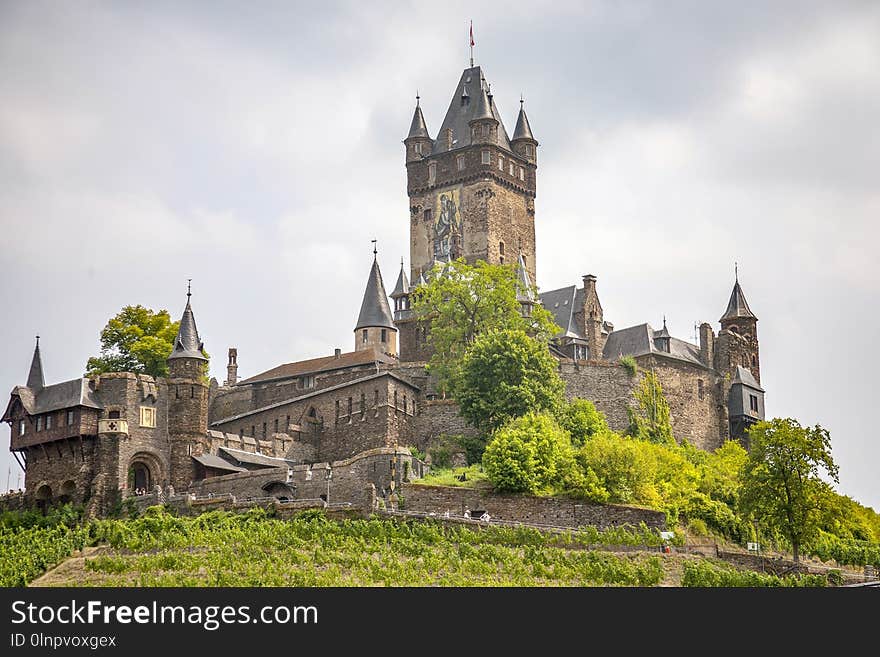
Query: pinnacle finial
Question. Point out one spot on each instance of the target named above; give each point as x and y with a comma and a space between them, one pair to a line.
417, 97
736, 271
38, 341
188, 288
374, 249
521, 101
664, 320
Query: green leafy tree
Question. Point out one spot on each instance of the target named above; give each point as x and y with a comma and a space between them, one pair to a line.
581, 419
462, 301
621, 470
136, 340
649, 420
782, 480
531, 454
504, 375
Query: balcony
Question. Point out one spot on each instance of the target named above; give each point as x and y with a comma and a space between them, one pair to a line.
113, 425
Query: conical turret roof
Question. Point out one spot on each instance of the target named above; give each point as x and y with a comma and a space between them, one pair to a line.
737, 307
525, 292
375, 310
461, 111
35, 380
483, 109
418, 128
401, 289
523, 130
187, 344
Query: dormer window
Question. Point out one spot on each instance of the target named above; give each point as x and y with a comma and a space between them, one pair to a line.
753, 403
459, 162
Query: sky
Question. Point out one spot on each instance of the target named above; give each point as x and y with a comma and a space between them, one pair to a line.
255, 147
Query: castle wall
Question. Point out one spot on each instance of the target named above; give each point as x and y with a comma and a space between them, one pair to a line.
381, 415
54, 464
439, 417
554, 511
608, 385
700, 421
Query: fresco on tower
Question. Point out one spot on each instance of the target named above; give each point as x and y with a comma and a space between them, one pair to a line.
447, 225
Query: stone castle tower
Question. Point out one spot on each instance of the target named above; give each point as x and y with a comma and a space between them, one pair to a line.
472, 188
375, 326
187, 399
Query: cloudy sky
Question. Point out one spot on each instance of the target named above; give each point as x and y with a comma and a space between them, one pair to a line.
256, 148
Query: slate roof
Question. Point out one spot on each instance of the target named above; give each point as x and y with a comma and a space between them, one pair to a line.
639, 340
56, 397
459, 115
523, 130
744, 376
35, 378
737, 306
187, 344
562, 303
254, 459
418, 128
375, 310
214, 461
322, 364
402, 287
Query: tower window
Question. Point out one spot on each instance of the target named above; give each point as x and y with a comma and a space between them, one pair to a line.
500, 163
375, 403
363, 406
276, 425
264, 429
501, 248
432, 173
485, 157
528, 149
384, 335
253, 431
510, 168
21, 427
364, 336
417, 148
459, 162
349, 410
701, 393
522, 173
337, 411
428, 215
754, 361
69, 418
113, 415
48, 422
240, 433
753, 402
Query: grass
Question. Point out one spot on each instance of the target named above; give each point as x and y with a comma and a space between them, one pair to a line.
450, 477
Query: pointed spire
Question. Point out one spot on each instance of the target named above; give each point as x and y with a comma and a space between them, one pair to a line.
421, 280
375, 310
525, 292
523, 130
187, 344
483, 110
737, 307
35, 380
401, 289
417, 128
664, 332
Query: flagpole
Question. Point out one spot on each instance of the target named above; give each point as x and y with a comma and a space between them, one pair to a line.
472, 44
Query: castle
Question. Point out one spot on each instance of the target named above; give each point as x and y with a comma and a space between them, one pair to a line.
471, 191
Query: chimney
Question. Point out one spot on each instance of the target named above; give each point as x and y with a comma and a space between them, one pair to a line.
707, 344
232, 367
337, 353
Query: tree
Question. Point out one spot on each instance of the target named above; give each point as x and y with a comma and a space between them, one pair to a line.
649, 420
504, 375
136, 340
461, 301
531, 454
782, 484
581, 419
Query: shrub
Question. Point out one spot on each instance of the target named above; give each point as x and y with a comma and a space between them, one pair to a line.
581, 419
629, 364
530, 454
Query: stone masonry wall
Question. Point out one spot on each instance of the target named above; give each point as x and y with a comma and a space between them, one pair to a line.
699, 420
439, 417
608, 385
555, 511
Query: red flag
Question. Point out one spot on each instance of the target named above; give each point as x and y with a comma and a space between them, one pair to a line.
472, 33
